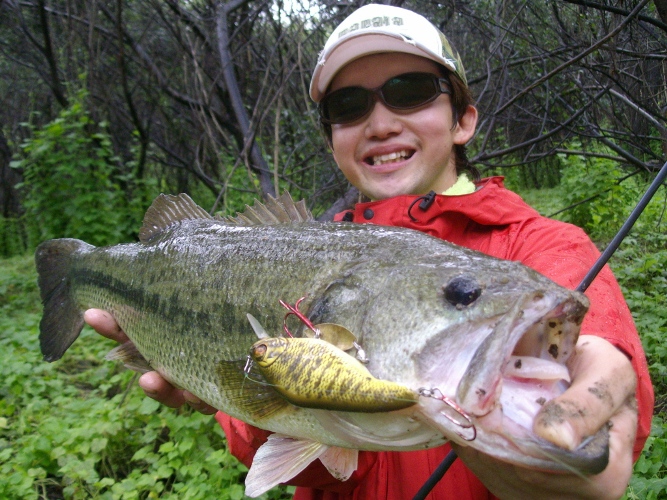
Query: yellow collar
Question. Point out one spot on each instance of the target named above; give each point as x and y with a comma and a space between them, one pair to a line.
463, 185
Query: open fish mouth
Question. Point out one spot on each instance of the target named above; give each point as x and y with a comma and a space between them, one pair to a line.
524, 355
518, 366
535, 371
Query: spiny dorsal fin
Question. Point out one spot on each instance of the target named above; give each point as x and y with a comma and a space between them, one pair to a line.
273, 211
167, 210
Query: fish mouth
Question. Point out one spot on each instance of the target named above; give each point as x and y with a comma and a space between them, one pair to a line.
517, 368
534, 372
521, 364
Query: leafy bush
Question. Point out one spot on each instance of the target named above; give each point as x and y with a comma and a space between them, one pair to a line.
72, 184
649, 481
607, 198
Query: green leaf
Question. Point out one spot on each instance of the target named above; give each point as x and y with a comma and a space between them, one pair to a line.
148, 406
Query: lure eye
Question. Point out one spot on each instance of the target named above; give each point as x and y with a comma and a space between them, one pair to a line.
462, 291
265, 352
260, 351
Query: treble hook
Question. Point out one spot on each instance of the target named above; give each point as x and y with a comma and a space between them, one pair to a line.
437, 394
295, 310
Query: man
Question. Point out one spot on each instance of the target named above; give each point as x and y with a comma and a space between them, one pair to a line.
397, 113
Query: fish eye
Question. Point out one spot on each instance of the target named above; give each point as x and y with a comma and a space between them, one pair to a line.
462, 291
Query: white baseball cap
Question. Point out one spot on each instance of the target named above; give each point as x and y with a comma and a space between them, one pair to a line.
381, 28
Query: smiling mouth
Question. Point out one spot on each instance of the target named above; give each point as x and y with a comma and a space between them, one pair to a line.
389, 158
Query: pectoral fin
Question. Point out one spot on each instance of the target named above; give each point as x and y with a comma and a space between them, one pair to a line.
249, 390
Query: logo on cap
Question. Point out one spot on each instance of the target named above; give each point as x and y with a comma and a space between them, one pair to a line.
373, 22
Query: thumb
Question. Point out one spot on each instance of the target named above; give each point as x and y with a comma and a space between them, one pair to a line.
602, 381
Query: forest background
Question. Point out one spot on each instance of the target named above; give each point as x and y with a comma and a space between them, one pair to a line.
105, 104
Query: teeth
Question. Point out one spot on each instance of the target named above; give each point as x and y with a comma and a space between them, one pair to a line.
379, 160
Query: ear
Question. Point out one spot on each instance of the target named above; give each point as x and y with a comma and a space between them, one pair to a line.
466, 126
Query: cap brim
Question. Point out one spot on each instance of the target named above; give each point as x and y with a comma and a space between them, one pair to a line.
353, 48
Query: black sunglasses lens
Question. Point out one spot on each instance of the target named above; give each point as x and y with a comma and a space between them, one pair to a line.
405, 91
346, 105
409, 91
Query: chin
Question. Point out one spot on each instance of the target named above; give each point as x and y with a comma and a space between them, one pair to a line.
384, 194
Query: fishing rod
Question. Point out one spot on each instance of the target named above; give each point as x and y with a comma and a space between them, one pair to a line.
444, 466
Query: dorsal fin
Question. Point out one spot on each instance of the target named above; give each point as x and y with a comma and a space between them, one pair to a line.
167, 210
273, 211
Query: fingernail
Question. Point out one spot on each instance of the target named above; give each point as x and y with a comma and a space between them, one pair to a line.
191, 398
560, 434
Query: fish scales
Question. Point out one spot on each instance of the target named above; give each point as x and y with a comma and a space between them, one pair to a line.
429, 315
233, 275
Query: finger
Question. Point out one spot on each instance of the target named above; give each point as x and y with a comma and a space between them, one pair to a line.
610, 483
602, 382
104, 324
512, 481
160, 390
621, 443
198, 404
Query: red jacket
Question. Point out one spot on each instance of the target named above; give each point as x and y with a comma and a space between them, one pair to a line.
495, 221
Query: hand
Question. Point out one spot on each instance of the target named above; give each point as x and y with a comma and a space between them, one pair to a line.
602, 390
152, 383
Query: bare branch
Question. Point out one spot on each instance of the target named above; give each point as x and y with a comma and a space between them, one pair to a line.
610, 8
260, 165
583, 54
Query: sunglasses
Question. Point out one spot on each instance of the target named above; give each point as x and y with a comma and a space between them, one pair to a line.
406, 91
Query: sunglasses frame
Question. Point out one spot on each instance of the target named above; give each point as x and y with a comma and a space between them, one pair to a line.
440, 86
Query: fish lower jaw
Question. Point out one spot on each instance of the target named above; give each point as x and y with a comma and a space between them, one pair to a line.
401, 430
502, 437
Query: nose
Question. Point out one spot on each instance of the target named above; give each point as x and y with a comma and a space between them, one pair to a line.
382, 122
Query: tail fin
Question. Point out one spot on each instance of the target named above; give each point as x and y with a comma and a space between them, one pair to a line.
62, 319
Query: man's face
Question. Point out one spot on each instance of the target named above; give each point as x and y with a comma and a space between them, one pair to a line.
392, 152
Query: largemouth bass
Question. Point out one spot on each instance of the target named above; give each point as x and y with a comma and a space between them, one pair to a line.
477, 344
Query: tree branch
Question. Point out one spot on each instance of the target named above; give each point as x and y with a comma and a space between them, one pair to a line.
609, 8
560, 68
143, 135
260, 166
512, 149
